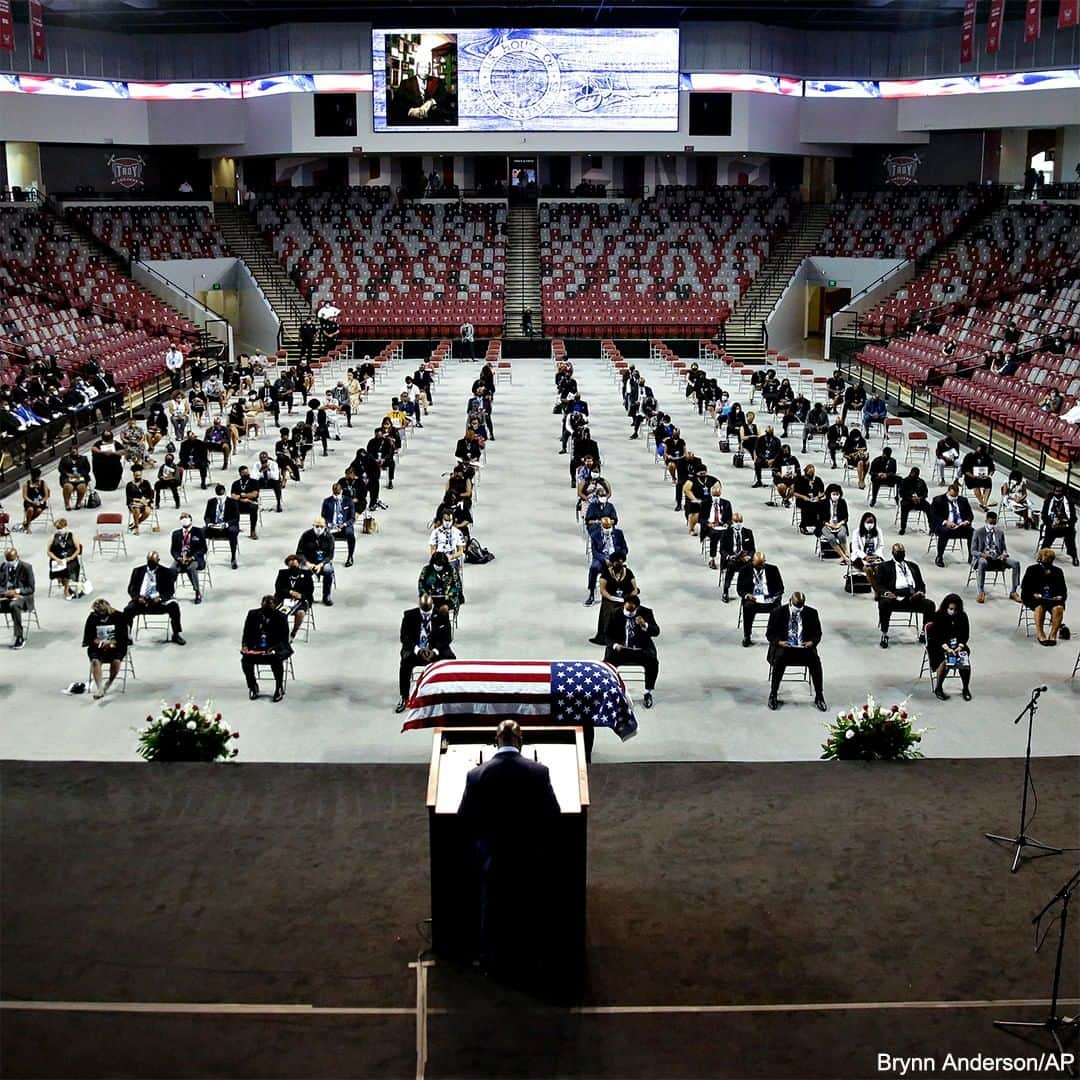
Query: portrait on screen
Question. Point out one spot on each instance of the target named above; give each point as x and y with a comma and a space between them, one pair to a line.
421, 80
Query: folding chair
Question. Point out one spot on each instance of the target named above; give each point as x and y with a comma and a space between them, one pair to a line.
126, 668
109, 530
917, 447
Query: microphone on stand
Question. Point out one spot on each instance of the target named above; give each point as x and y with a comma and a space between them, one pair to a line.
1034, 696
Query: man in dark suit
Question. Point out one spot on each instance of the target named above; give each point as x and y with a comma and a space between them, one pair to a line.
629, 637
1043, 589
882, 473
188, 549
425, 638
192, 455
736, 550
835, 436
604, 541
913, 497
16, 592
766, 453
245, 493
900, 587
951, 519
152, 588
265, 641
222, 518
509, 808
340, 516
760, 587
316, 550
294, 591
715, 519
1059, 520
794, 633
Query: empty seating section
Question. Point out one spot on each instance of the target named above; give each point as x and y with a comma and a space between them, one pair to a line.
1016, 246
154, 232
664, 265
414, 269
37, 250
897, 224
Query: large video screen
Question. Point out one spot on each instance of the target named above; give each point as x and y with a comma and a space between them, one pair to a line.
525, 80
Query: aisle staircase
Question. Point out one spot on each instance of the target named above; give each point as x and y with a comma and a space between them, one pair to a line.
522, 290
247, 243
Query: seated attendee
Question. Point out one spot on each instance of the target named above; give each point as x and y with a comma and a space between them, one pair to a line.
794, 633
35, 498
868, 548
1014, 497
425, 637
268, 477
192, 455
245, 494
599, 504
989, 551
604, 540
218, 440
442, 582
286, 456
65, 558
294, 591
760, 588
151, 589
715, 517
16, 593
856, 455
265, 640
1043, 590
169, 478
795, 413
947, 635
946, 455
1059, 520
854, 400
616, 583
914, 497
900, 587
835, 437
339, 513
809, 493
107, 459
736, 550
950, 519
817, 423
468, 447
140, 499
316, 550
695, 489
222, 519
766, 451
833, 518
157, 425
630, 642
977, 468
882, 474
785, 472
106, 639
74, 470
459, 485
874, 412
447, 538
188, 550
836, 386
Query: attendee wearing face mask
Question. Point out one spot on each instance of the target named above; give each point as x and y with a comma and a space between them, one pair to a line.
1043, 590
268, 477
616, 583
715, 516
108, 462
425, 638
151, 589
914, 496
761, 588
1059, 520
900, 587
188, 550
65, 554
833, 527
737, 548
381, 446
447, 538
294, 591
106, 638
604, 541
989, 551
947, 635
316, 550
950, 519
794, 633
265, 640
630, 642
599, 504
808, 490
221, 518
339, 513
140, 500
16, 592
868, 547
882, 474
192, 455
442, 582
245, 494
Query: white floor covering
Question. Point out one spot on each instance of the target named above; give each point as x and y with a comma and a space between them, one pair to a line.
711, 697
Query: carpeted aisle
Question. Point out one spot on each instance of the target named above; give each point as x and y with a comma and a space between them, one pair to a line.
710, 884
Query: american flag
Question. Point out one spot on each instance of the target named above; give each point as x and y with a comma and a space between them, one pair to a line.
466, 692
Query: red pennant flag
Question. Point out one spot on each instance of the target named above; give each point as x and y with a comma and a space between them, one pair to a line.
1068, 14
993, 25
967, 32
37, 29
7, 27
1032, 21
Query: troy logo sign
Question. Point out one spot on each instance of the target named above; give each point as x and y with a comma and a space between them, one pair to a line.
901, 170
127, 172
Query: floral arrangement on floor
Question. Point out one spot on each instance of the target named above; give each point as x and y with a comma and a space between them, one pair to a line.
187, 732
873, 732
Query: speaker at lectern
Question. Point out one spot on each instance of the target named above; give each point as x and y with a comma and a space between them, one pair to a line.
544, 897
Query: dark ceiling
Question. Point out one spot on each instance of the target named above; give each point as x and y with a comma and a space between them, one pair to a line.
203, 16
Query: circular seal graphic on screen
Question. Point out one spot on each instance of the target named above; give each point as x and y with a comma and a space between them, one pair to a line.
519, 79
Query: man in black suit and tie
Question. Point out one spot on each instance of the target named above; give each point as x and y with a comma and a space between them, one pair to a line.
425, 638
900, 587
629, 636
188, 549
715, 519
510, 810
950, 519
265, 641
913, 497
1059, 520
192, 455
16, 592
316, 550
340, 516
294, 591
152, 588
245, 494
760, 587
222, 518
794, 633
736, 550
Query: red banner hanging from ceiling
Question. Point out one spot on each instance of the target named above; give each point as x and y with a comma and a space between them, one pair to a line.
1032, 20
967, 32
7, 27
37, 29
1068, 14
993, 25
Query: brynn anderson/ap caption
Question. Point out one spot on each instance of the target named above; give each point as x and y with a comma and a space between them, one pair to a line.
964, 1064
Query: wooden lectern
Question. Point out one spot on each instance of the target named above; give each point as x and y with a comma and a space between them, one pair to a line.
455, 886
